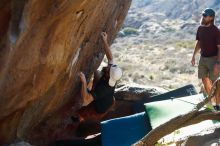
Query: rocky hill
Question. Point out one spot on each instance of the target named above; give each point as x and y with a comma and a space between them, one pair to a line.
157, 40
174, 18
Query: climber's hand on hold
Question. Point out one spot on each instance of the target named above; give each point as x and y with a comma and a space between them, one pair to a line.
104, 37
82, 77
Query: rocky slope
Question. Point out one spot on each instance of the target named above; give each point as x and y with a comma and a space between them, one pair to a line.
156, 43
174, 18
207, 137
43, 46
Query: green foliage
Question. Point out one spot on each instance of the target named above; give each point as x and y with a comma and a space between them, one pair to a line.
170, 87
130, 31
151, 77
185, 44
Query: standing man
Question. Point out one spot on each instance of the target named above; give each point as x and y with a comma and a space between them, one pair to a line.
208, 43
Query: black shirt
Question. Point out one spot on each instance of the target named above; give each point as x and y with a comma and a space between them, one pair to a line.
103, 95
209, 38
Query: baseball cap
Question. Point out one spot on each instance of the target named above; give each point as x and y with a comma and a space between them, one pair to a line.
115, 75
208, 12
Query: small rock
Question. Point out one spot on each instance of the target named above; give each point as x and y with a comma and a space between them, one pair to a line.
21, 143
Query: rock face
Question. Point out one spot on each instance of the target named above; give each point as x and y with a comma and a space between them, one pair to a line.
136, 92
43, 46
208, 137
130, 99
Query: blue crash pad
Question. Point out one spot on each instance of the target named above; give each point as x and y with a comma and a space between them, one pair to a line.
125, 131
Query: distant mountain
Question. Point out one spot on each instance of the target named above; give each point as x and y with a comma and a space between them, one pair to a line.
168, 19
156, 42
175, 9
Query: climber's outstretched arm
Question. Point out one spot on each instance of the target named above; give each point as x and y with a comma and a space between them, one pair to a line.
107, 48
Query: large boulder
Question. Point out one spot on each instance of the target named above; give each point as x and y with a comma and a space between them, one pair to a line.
135, 92
130, 99
207, 137
43, 46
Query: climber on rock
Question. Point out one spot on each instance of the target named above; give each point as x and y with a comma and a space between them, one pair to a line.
103, 88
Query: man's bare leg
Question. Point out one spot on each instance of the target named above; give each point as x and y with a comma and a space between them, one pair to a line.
217, 94
87, 97
217, 98
208, 86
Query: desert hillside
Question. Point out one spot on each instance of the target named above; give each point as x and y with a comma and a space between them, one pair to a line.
156, 42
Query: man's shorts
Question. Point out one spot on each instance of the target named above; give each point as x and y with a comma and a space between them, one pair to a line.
206, 67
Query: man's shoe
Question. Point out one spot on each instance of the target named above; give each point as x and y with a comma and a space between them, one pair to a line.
217, 107
209, 106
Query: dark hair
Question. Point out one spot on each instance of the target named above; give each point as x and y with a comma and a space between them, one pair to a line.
106, 72
212, 22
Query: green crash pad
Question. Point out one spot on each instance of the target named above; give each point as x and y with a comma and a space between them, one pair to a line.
160, 112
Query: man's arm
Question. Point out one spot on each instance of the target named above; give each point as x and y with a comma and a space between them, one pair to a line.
217, 64
84, 85
218, 59
107, 48
197, 48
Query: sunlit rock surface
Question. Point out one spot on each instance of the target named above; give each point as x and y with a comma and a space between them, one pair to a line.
43, 46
